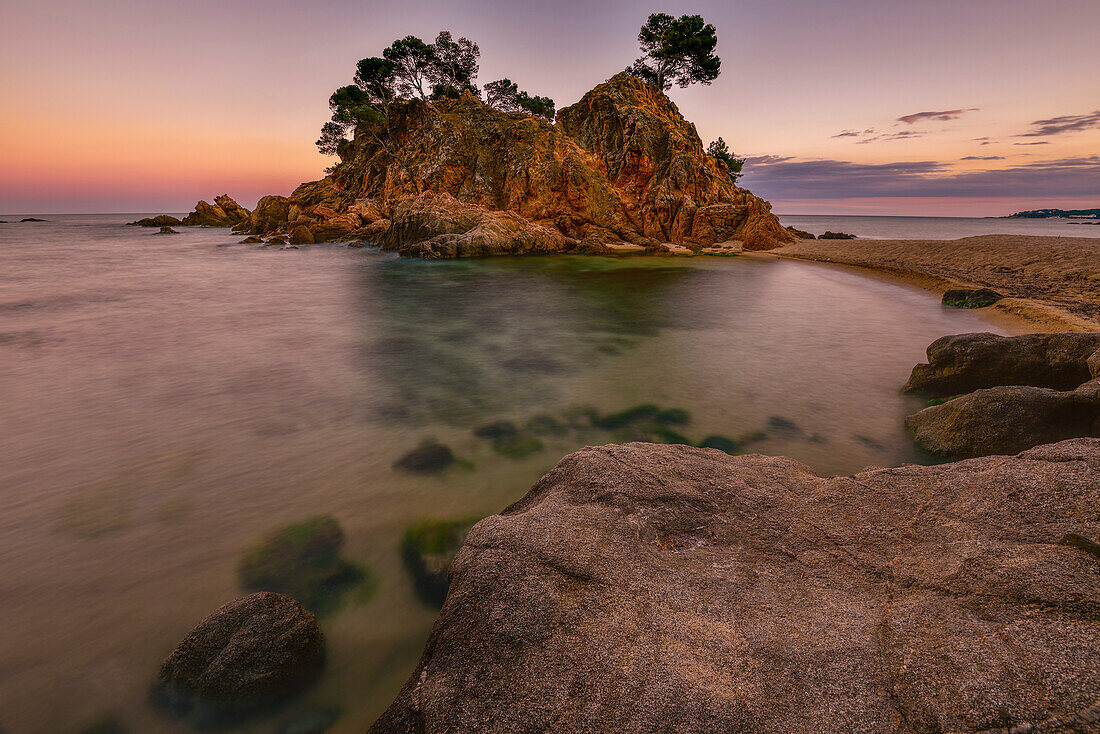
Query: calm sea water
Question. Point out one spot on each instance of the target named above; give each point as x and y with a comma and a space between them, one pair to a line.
168, 399
937, 228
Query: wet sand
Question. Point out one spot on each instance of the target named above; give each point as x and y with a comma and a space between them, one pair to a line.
1053, 282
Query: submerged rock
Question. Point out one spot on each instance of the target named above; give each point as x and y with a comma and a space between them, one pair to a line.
248, 654
429, 456
664, 588
971, 298
427, 550
302, 560
161, 220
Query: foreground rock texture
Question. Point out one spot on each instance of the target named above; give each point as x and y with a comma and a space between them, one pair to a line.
248, 654
457, 178
224, 212
661, 588
1008, 393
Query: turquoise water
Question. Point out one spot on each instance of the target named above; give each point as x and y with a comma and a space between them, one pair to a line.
169, 399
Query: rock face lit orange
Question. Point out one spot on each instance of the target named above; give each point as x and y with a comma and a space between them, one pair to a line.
459, 178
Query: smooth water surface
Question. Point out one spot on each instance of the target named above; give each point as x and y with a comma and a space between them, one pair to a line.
168, 399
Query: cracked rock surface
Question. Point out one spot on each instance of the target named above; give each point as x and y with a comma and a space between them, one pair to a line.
663, 588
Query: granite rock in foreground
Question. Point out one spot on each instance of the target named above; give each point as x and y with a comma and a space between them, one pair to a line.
661, 588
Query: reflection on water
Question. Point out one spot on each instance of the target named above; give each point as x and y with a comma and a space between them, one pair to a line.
168, 402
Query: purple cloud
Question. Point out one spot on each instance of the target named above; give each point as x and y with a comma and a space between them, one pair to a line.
941, 115
983, 158
892, 136
774, 177
1063, 124
1042, 142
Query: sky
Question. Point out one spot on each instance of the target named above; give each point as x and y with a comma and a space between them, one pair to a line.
960, 108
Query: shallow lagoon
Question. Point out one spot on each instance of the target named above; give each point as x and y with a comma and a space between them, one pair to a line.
169, 400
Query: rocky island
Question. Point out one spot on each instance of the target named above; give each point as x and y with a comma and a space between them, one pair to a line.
622, 168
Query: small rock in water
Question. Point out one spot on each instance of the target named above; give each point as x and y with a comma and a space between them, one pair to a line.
495, 430
31, 219
251, 240
971, 298
167, 230
247, 655
161, 220
302, 235
430, 456
279, 239
836, 236
801, 234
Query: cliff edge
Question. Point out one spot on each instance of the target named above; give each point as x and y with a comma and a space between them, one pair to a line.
662, 588
458, 178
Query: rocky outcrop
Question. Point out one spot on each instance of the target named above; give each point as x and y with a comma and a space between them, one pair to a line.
457, 178
248, 654
224, 212
665, 588
1010, 393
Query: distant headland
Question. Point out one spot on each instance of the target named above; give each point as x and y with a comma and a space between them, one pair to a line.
1056, 214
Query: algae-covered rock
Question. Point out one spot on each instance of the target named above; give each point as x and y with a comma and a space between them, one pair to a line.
247, 655
302, 560
427, 549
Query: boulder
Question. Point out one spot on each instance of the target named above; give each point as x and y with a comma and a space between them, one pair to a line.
301, 235
224, 212
1002, 420
161, 220
649, 588
269, 215
248, 654
963, 363
167, 230
971, 297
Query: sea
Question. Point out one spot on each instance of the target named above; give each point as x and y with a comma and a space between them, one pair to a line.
167, 400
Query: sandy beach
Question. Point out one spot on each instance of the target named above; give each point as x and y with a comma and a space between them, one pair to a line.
1052, 281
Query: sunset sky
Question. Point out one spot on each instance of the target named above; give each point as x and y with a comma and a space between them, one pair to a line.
960, 107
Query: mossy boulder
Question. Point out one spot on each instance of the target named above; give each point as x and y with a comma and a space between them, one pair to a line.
302, 560
427, 549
